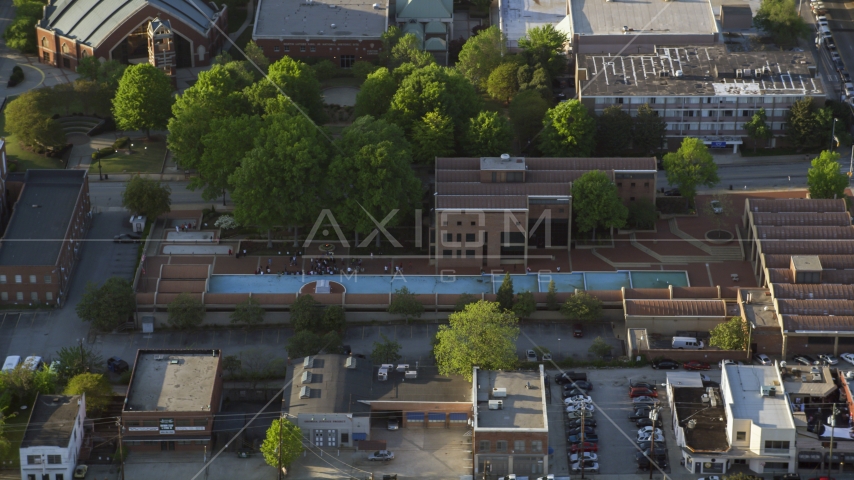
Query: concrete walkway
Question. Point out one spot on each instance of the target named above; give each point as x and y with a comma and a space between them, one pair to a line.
250, 7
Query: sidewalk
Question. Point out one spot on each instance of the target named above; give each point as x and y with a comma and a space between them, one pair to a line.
737, 159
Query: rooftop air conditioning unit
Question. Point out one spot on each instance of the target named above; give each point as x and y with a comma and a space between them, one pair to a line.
410, 374
704, 398
350, 362
768, 391
748, 73
308, 362
496, 404
816, 377
306, 377
505, 157
305, 392
499, 393
678, 73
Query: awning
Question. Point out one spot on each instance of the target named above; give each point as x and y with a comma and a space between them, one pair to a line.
360, 436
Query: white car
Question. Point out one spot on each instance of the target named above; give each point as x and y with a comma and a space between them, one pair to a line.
587, 407
647, 438
547, 357
648, 430
829, 358
33, 363
589, 466
848, 357
577, 399
381, 456
725, 362
531, 356
590, 456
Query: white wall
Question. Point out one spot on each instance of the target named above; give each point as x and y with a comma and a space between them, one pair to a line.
343, 422
69, 452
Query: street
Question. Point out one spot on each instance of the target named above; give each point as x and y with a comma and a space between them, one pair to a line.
108, 195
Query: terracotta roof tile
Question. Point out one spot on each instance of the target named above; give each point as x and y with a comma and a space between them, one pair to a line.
459, 163
793, 205
673, 308
457, 176
828, 262
812, 291
837, 219
815, 307
812, 247
729, 292
607, 295
475, 202
616, 163
793, 323
502, 189
811, 231
647, 293
779, 275
695, 292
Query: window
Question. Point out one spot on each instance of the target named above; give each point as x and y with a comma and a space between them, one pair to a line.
727, 113
276, 48
4, 296
459, 237
501, 446
302, 48
483, 446
470, 237
32, 279
47, 279
34, 296
459, 253
54, 459
631, 199
519, 446
47, 296
34, 459
514, 177
312, 48
619, 184
44, 41
347, 61
64, 48
645, 184
31, 476
472, 224
85, 53
776, 465
537, 445
150, 423
19, 296
459, 224
345, 438
633, 184
447, 253
469, 253
46, 57
2, 278
741, 436
776, 445
449, 237
19, 279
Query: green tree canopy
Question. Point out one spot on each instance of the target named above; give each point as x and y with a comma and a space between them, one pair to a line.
25, 113
403, 302
801, 123
385, 351
97, 389
143, 100
374, 97
389, 39
596, 203
582, 307
730, 335
488, 135
333, 319
527, 111
481, 54
433, 137
185, 311
545, 46
298, 81
304, 343
505, 294
824, 178
147, 197
780, 19
305, 313
648, 131
642, 215
109, 72
255, 55
691, 166
225, 145
21, 34
409, 49
463, 300
757, 128
611, 128
503, 82
73, 361
536, 79
483, 334
283, 444
569, 131
599, 347
95, 97
107, 306
525, 304
551, 297
248, 312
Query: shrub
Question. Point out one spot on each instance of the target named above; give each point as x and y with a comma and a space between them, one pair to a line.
106, 151
16, 77
325, 69
362, 69
13, 167
226, 222
121, 142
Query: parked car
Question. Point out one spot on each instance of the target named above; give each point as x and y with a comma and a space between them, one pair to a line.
575, 457
577, 423
568, 377
665, 364
645, 422
647, 445
117, 365
577, 431
547, 357
648, 385
33, 362
639, 413
575, 439
725, 362
589, 466
381, 456
583, 384
577, 399
80, 471
673, 192
531, 356
642, 392
805, 360
648, 430
762, 359
829, 358
649, 437
660, 457
579, 413
588, 447
393, 424
577, 330
11, 362
848, 357
127, 238
644, 401
580, 406
716, 206
844, 76
695, 365
574, 392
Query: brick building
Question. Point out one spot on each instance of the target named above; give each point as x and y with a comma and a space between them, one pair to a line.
172, 400
41, 244
110, 30
342, 31
510, 424
491, 211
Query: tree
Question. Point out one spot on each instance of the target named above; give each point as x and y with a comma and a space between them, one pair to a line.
299, 83
403, 302
484, 334
481, 54
143, 100
648, 131
410, 49
109, 72
231, 364
488, 135
824, 179
108, 306
536, 79
375, 94
389, 39
21, 34
23, 115
505, 293
249, 312
757, 128
551, 297
21, 382
599, 348
433, 137
730, 335
545, 46
283, 444
582, 307
95, 97
371, 175
46, 380
256, 365
228, 141
72, 361
385, 351
304, 343
801, 123
690, 166
333, 319
147, 197
525, 304
278, 182
49, 134
256, 56
596, 203
463, 300
527, 110
304, 314
568, 131
97, 389
362, 68
780, 19
642, 215
503, 82
611, 128
185, 311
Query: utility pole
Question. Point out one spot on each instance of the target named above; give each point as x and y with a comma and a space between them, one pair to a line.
581, 452
121, 445
832, 428
279, 451
653, 415
833, 134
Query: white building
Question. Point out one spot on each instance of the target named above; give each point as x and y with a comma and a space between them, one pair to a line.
53, 439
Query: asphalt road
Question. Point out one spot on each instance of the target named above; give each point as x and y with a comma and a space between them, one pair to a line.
108, 195
841, 23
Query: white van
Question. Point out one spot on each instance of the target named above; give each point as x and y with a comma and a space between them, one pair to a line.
11, 362
690, 343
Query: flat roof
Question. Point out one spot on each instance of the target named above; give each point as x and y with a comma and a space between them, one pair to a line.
321, 19
760, 310
498, 163
676, 308
519, 16
685, 379
809, 263
708, 433
744, 383
428, 386
173, 381
51, 421
41, 217
601, 17
522, 407
707, 71
332, 386
796, 205
800, 380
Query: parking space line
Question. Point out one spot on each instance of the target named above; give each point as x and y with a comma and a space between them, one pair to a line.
19, 320
3, 321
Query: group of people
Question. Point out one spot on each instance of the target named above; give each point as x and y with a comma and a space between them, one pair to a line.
185, 226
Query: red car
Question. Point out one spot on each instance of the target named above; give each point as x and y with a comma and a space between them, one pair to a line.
642, 392
577, 331
588, 447
696, 366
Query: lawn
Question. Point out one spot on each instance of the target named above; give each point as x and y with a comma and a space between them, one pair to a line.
26, 159
145, 160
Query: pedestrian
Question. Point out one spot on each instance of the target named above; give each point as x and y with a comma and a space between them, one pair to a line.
268, 269
385, 268
229, 251
244, 252
558, 269
269, 261
177, 229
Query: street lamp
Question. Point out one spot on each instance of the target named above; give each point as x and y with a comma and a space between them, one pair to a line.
833, 134
653, 415
559, 350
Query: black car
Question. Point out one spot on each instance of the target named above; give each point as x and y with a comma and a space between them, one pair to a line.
805, 360
127, 238
673, 192
639, 413
665, 364
584, 385
575, 423
117, 365
646, 422
573, 392
573, 439
577, 431
647, 444
547, 381
568, 377
844, 76
660, 455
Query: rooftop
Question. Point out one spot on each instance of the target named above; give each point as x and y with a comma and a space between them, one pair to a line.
707, 432
759, 310
795, 205
502, 163
709, 71
92, 21
522, 407
41, 217
674, 308
743, 384
429, 386
333, 386
598, 17
173, 381
51, 421
519, 16
330, 19
809, 381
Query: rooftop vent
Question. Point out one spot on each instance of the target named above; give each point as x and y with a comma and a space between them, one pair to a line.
505, 157
308, 362
678, 73
768, 391
306, 377
305, 392
350, 362
496, 404
692, 423
174, 362
377, 6
499, 392
333, 26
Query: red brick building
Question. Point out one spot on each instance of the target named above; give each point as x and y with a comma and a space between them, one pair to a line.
110, 30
